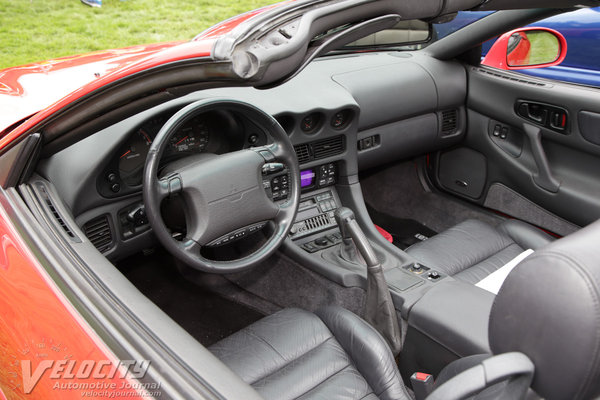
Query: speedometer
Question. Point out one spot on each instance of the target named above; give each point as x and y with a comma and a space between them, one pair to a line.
131, 161
191, 138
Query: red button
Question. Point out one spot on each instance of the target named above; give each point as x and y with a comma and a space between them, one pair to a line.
422, 376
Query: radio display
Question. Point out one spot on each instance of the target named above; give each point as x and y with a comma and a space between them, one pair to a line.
307, 178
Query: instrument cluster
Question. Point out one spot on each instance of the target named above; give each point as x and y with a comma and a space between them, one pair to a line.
193, 137
216, 132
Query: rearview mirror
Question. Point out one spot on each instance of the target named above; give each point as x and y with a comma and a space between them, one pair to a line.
404, 33
526, 48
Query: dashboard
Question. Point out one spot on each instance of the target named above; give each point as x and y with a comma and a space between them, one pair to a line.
342, 114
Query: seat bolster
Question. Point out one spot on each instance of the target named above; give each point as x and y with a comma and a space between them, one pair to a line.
525, 235
368, 350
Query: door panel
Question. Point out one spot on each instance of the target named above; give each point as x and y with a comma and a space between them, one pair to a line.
556, 168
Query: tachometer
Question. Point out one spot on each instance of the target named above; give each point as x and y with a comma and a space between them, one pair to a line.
192, 137
131, 161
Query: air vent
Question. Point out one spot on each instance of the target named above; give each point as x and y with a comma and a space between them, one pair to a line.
449, 122
43, 193
302, 152
328, 147
511, 77
98, 231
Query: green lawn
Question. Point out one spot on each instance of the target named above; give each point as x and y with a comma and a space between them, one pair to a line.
544, 47
37, 30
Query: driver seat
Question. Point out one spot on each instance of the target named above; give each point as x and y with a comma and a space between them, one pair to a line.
295, 354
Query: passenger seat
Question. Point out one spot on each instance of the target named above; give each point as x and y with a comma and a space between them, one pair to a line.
472, 250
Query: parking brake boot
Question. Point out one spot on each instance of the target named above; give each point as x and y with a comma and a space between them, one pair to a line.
379, 308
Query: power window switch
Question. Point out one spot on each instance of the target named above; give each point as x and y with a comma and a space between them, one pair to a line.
497, 130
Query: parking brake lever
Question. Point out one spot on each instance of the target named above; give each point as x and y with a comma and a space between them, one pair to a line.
379, 308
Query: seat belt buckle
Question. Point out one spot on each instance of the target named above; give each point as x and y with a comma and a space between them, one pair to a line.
422, 384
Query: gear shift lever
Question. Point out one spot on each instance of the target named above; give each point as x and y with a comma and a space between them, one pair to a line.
343, 216
379, 307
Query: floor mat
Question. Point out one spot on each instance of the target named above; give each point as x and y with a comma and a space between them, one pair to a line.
404, 231
206, 316
397, 191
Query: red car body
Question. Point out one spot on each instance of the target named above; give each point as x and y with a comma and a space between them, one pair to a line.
37, 320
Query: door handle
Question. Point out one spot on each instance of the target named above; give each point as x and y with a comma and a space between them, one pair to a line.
547, 115
534, 112
543, 178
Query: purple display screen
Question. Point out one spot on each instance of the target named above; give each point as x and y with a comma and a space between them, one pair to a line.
307, 178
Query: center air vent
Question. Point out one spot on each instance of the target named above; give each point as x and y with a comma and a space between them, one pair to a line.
99, 233
320, 149
328, 147
302, 152
449, 122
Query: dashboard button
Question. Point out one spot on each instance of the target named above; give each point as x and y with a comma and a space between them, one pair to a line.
111, 177
322, 241
310, 247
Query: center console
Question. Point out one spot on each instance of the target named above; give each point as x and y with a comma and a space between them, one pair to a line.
317, 240
318, 203
445, 317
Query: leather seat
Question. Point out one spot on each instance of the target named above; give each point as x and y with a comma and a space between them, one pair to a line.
547, 309
295, 354
544, 329
472, 250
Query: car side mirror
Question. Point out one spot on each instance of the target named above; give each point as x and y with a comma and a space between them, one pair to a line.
527, 48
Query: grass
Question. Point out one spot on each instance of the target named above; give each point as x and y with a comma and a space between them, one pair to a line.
544, 47
37, 30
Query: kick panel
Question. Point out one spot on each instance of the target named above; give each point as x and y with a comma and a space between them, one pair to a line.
463, 171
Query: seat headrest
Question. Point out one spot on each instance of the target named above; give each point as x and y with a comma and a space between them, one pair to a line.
549, 309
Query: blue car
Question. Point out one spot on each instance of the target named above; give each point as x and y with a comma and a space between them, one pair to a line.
581, 30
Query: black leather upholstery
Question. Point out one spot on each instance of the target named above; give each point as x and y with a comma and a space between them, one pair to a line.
294, 354
549, 309
472, 250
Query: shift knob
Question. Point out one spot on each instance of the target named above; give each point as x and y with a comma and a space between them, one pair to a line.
353, 236
343, 216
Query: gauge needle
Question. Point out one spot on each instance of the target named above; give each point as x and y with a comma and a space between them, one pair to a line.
127, 152
181, 140
146, 136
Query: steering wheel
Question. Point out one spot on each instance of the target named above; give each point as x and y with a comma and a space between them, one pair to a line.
222, 194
